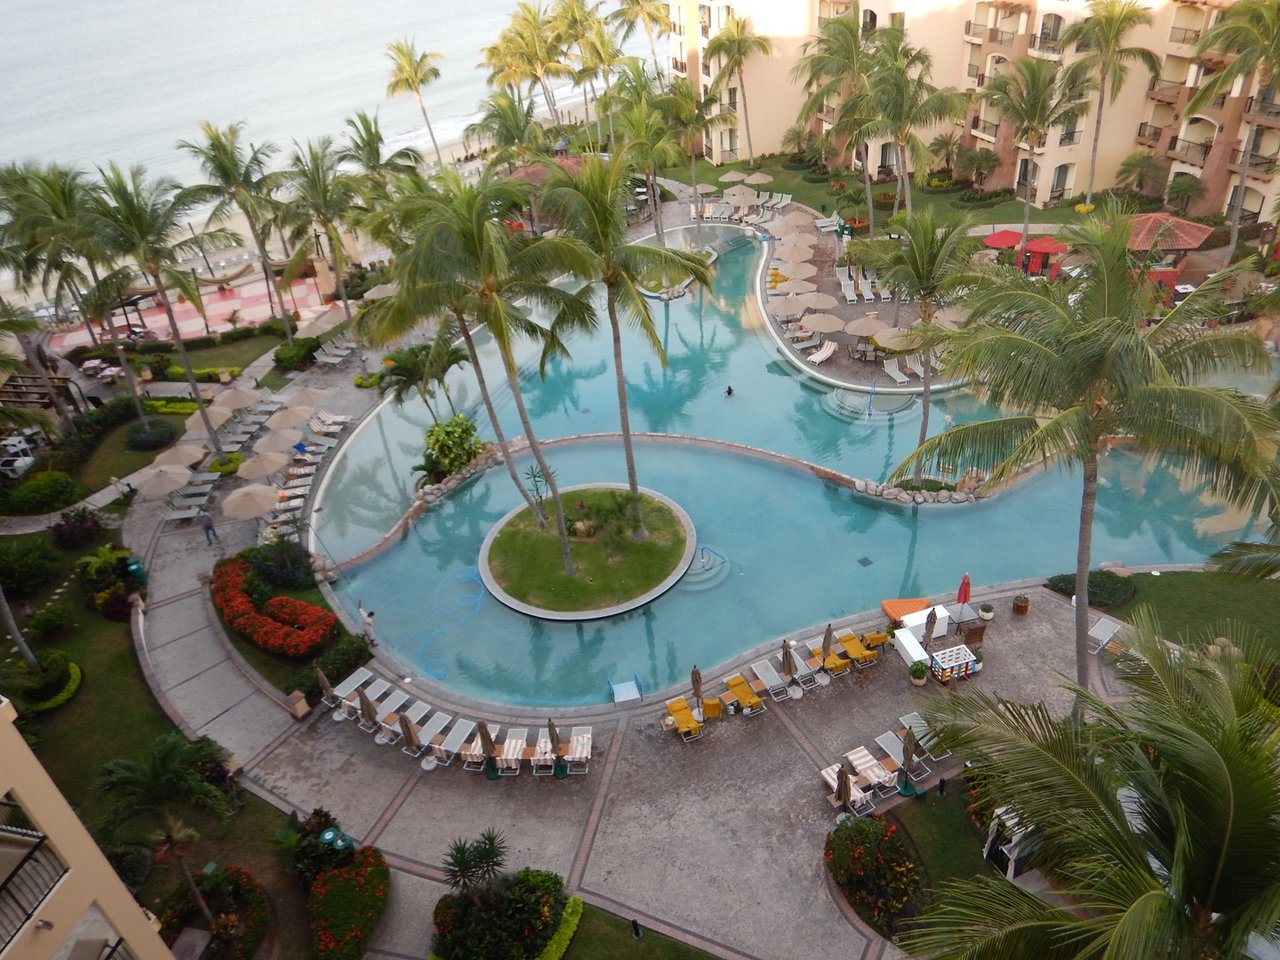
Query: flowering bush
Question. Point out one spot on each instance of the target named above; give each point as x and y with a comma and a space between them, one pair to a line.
516, 919
1083, 208
289, 627
345, 904
239, 906
872, 865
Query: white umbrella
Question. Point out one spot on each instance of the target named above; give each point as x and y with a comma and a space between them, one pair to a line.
865, 326
181, 455
795, 286
799, 271
157, 481
758, 178
733, 176
380, 292
290, 416
741, 196
251, 501
235, 397
891, 339
280, 440
823, 323
308, 396
705, 188
323, 323
263, 464
816, 301
217, 417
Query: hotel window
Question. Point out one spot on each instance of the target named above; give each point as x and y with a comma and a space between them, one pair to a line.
898, 21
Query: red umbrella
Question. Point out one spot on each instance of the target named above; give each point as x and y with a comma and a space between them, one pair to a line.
1046, 245
962, 595
1003, 240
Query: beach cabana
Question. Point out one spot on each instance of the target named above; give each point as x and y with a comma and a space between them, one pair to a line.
1170, 235
1037, 253
1002, 240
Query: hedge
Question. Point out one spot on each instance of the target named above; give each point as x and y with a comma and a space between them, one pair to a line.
558, 945
1106, 588
345, 904
297, 355
44, 493
175, 373
337, 662
291, 628
74, 675
150, 434
239, 902
175, 405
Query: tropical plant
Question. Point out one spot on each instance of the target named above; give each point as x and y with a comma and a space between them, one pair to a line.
411, 71
647, 137
365, 148
696, 118
735, 44
653, 16
1158, 817
1034, 96
101, 567
326, 195
157, 789
1140, 171
472, 866
1101, 33
590, 205
528, 52
507, 123
1183, 190
977, 164
945, 148
1080, 359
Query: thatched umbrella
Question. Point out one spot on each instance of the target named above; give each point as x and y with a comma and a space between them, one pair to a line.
248, 502
233, 398
263, 465
733, 176
308, 396
795, 286
278, 440
823, 323
758, 178
290, 416
158, 481
217, 417
180, 455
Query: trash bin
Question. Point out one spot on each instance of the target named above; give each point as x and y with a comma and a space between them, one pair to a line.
133, 570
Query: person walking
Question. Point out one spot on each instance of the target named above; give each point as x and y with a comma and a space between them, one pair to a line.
206, 524
366, 620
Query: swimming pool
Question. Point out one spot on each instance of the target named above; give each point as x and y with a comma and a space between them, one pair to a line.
796, 550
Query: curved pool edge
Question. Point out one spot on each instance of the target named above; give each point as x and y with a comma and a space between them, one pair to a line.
571, 616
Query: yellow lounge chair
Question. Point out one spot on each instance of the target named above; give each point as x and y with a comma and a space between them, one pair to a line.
749, 703
686, 723
873, 640
836, 664
855, 651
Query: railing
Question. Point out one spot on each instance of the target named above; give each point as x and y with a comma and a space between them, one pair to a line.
1190, 149
706, 30
729, 106
31, 879
976, 75
1022, 188
1184, 35
1149, 132
975, 30
677, 29
827, 113
706, 68
1070, 138
1056, 195
1045, 44
117, 951
1162, 89
1263, 105
980, 31
987, 128
1258, 162
1219, 101
727, 155
678, 65
1249, 216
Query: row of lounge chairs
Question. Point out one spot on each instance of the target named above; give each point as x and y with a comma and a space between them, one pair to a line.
873, 778
395, 717
913, 362
296, 481
336, 350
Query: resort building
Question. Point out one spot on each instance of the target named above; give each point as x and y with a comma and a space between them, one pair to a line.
59, 897
971, 42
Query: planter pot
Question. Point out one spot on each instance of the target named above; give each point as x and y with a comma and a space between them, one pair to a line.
977, 667
1021, 608
918, 682
986, 614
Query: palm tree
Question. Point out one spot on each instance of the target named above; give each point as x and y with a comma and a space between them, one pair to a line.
573, 21
977, 164
1034, 96
365, 149
98, 303
734, 45
326, 195
653, 16
528, 52
507, 123
1183, 190
473, 867
410, 72
240, 179
143, 219
647, 137
10, 625
1249, 32
591, 207
604, 55
466, 264
1140, 171
945, 147
1080, 359
694, 116
902, 99
418, 367
166, 782
927, 263
1159, 819
1102, 32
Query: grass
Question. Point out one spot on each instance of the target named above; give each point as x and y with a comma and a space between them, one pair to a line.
947, 843
113, 458
602, 934
241, 353
528, 564
1191, 606
273, 380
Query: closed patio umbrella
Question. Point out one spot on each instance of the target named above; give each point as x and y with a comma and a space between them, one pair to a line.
157, 481
966, 589
233, 398
410, 732
326, 687
182, 454
486, 740
251, 501
788, 660
865, 326
910, 749
695, 681
278, 440
263, 465
368, 718
795, 286
823, 323
554, 736
290, 416
828, 638
844, 787
930, 622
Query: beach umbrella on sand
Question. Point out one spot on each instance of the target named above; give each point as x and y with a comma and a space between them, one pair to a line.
695, 680
182, 454
865, 326
788, 660
823, 323
290, 416
828, 638
278, 440
733, 176
741, 196
411, 742
795, 286
759, 177
251, 501
217, 417
157, 481
844, 786
263, 465
308, 397
326, 687
966, 588
368, 718
233, 398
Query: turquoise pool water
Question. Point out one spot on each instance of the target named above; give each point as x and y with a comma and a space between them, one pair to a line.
799, 551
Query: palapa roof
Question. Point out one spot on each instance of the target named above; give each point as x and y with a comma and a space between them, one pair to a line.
1161, 231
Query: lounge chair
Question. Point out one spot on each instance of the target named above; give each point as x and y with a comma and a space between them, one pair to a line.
766, 674
814, 341
324, 428
891, 744
1103, 634
578, 756
180, 513
349, 708
891, 368
355, 680
748, 702
543, 761
805, 674
389, 731
205, 477
626, 690
850, 291
881, 776
389, 710
857, 651
924, 736
447, 750
433, 728
513, 751
324, 443
687, 724
334, 418
823, 353
834, 664
914, 364
860, 804
473, 755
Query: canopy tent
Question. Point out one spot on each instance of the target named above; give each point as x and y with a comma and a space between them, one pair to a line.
1002, 240
1047, 245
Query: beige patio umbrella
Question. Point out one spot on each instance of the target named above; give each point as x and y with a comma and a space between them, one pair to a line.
844, 786
865, 326
263, 465
733, 176
486, 740
741, 196
795, 286
326, 687
758, 178
380, 292
800, 240
217, 417
789, 667
233, 398
817, 301
157, 481
910, 749
798, 219
323, 323
782, 230
278, 440
308, 397
823, 323
410, 733
800, 271
796, 253
180, 455
368, 718
554, 736
706, 188
290, 416
892, 339
695, 681
828, 639
251, 501
950, 318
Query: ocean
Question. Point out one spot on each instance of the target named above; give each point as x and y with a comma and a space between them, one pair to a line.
92, 81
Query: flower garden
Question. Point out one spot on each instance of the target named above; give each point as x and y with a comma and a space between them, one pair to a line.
292, 628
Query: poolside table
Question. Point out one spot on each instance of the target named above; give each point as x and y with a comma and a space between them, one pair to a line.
908, 646
915, 621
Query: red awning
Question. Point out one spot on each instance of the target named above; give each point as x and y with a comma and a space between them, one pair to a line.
1003, 240
1047, 245
1163, 232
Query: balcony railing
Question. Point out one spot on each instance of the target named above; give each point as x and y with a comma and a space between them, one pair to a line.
677, 29
1190, 149
117, 951
1258, 162
979, 31
1045, 44
1022, 188
1184, 35
987, 128
827, 113
678, 65
35, 873
1056, 195
1263, 105
729, 106
1164, 90
706, 30
1249, 216
976, 30
706, 68
1070, 138
1149, 132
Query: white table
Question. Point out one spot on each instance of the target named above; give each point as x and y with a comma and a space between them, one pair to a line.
915, 621
908, 647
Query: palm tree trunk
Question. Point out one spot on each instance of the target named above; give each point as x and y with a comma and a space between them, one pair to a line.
653, 49
430, 133
536, 510
88, 322
1097, 136
33, 361
746, 120
19, 641
926, 393
549, 99
866, 183
693, 176
1084, 553
638, 531
186, 366
339, 274
201, 903
129, 380
1237, 208
904, 177
1026, 200
655, 201
608, 96
535, 448
270, 274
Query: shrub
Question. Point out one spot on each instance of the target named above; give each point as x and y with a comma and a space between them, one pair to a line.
237, 900
74, 676
281, 563
308, 857
150, 434
872, 866
228, 465
76, 528
345, 904
104, 566
52, 623
517, 919
1106, 588
175, 405
288, 627
302, 616
344, 656
133, 864
297, 356
201, 342
976, 195
454, 443
240, 333
176, 374
44, 493
368, 382
28, 686
884, 201
558, 945
25, 567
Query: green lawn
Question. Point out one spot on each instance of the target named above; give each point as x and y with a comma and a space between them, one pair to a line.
949, 846
241, 353
1190, 605
603, 935
113, 459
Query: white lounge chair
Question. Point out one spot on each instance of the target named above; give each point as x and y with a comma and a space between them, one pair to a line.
884, 780
914, 364
447, 750
766, 674
1103, 634
388, 710
891, 744
513, 748
860, 804
180, 513
432, 728
355, 680
472, 753
891, 368
850, 291
805, 675
814, 341
823, 353
389, 732
924, 736
349, 708
543, 763
579, 754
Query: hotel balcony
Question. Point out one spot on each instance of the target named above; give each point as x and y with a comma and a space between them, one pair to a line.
1189, 150
1055, 196
1165, 91
705, 28
1184, 35
827, 114
677, 29
679, 66
1022, 188
29, 870
1046, 47
1070, 138
984, 128
1261, 165
1149, 134
1263, 110
975, 75
980, 32
725, 155
728, 106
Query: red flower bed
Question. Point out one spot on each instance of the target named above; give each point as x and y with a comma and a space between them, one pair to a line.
345, 904
289, 627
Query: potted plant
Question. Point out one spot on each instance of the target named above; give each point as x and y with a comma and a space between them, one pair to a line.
986, 611
977, 667
1021, 604
919, 673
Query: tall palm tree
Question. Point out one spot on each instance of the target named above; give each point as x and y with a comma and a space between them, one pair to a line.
527, 52
411, 71
573, 22
1159, 819
144, 219
166, 782
1249, 31
239, 178
404, 371
603, 54
695, 116
1141, 171
927, 263
326, 195
946, 147
467, 265
647, 137
591, 207
507, 123
836, 68
98, 303
653, 16
1103, 31
365, 148
735, 44
1078, 357
903, 100
1034, 96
